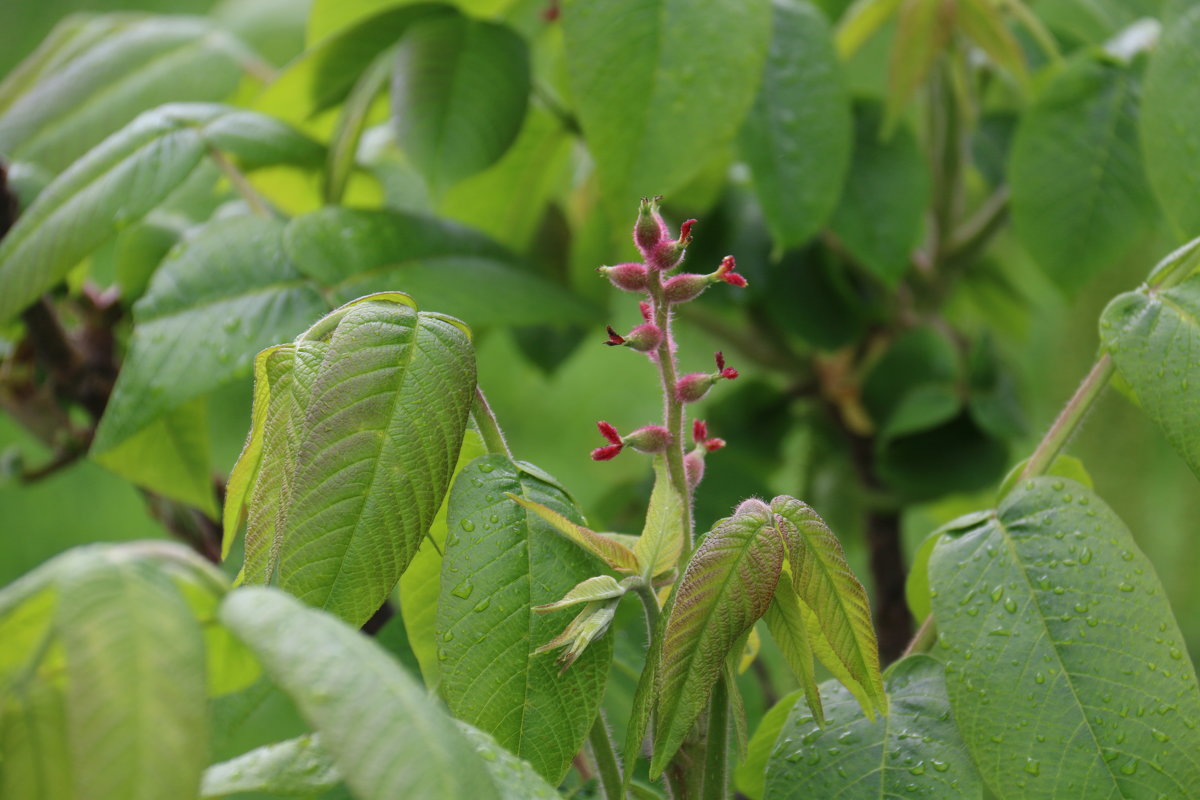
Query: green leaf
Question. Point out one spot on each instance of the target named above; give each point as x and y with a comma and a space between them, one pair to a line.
329, 17
421, 583
120, 181
1064, 664
227, 292
653, 112
33, 738
296, 767
1152, 335
441, 264
364, 422
916, 585
1079, 197
136, 706
609, 550
1170, 123
880, 216
920, 359
500, 562
515, 779
797, 137
386, 736
824, 583
750, 776
354, 117
983, 22
459, 93
727, 586
170, 456
923, 30
601, 587
785, 620
915, 750
98, 91
661, 542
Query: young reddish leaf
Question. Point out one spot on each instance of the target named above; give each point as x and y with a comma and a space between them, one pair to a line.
727, 586
823, 581
612, 552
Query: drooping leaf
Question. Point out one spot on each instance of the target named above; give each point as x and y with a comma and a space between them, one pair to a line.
726, 588
652, 112
879, 218
915, 751
797, 137
750, 776
609, 550
135, 697
861, 21
785, 621
226, 293
121, 180
441, 264
500, 562
661, 542
983, 21
421, 584
1152, 335
1079, 195
824, 583
295, 767
515, 779
33, 736
459, 93
386, 736
1170, 122
146, 63
364, 421
1064, 665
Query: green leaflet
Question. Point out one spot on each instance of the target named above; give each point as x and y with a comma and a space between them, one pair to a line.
421, 583
608, 549
923, 29
501, 561
824, 583
143, 64
441, 264
121, 180
1152, 335
915, 751
386, 736
459, 92
515, 779
1079, 197
653, 113
224, 294
661, 542
727, 586
750, 775
785, 620
1025, 602
330, 17
879, 217
298, 766
1170, 122
797, 137
135, 696
364, 420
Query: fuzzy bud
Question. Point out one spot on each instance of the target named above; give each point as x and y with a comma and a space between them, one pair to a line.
649, 230
693, 467
726, 273
615, 444
629, 277
668, 254
644, 338
685, 287
703, 442
650, 439
695, 385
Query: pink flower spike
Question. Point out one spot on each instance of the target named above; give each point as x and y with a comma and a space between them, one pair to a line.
614, 339
606, 453
609, 432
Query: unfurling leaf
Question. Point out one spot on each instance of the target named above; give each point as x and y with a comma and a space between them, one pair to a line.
610, 551
364, 417
601, 587
588, 626
824, 583
726, 588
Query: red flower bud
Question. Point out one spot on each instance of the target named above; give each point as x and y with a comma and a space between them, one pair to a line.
644, 338
606, 453
647, 310
713, 444
699, 431
667, 255
614, 338
685, 287
726, 273
649, 230
615, 446
728, 373
650, 439
700, 437
693, 386
609, 432
628, 277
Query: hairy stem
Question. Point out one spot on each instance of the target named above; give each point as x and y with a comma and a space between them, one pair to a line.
672, 411
607, 765
1069, 419
716, 756
489, 428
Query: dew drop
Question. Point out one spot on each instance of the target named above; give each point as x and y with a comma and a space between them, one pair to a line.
1125, 587
1033, 766
483, 604
1010, 605
1129, 767
939, 765
464, 589
1039, 678
467, 525
1086, 556
485, 467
